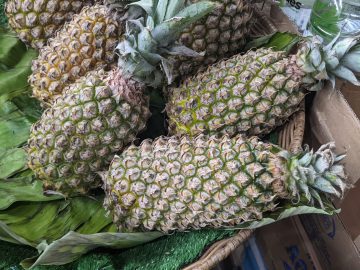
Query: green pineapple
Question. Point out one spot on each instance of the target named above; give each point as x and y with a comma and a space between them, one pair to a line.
256, 92
77, 137
104, 111
182, 183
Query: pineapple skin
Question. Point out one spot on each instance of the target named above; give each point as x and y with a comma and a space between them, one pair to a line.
85, 43
79, 135
220, 34
249, 94
37, 21
183, 183
178, 183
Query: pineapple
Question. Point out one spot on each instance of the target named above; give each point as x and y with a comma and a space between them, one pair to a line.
78, 136
86, 43
37, 21
221, 34
101, 112
182, 183
256, 92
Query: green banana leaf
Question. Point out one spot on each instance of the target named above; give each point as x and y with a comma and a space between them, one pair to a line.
17, 183
49, 221
17, 110
14, 80
11, 161
22, 189
11, 49
73, 245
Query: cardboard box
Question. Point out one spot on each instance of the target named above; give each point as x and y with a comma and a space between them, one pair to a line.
304, 242
252, 258
333, 247
284, 246
335, 117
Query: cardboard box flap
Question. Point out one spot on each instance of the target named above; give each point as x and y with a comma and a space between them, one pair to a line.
352, 96
333, 246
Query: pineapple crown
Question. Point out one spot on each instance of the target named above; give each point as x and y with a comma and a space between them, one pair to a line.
340, 58
312, 173
147, 41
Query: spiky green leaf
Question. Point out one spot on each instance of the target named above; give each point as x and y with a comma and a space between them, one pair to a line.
342, 47
324, 185
346, 74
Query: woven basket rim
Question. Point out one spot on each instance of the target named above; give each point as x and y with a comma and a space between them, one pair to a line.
290, 138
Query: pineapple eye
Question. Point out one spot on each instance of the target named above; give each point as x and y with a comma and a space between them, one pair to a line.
242, 179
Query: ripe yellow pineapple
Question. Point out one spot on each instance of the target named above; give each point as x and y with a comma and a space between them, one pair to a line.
256, 92
85, 43
182, 183
37, 21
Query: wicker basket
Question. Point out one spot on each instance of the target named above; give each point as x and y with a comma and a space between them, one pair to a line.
290, 138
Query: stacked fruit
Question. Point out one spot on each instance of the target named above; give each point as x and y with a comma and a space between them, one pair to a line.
94, 76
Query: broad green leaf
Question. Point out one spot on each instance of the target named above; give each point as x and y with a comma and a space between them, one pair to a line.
279, 41
20, 213
289, 211
29, 106
22, 189
34, 228
7, 235
80, 211
6, 109
11, 49
73, 245
301, 210
16, 119
53, 220
97, 222
11, 162
15, 131
15, 80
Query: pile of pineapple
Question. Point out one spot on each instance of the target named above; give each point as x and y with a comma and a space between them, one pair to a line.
97, 63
